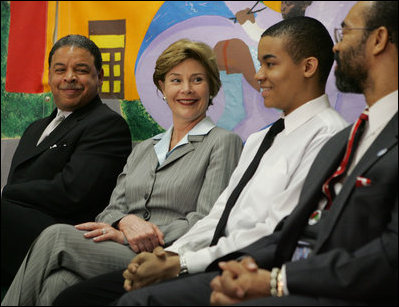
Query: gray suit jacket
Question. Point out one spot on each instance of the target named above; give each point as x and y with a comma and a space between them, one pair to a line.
182, 190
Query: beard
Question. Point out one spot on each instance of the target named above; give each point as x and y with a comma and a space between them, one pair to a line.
351, 72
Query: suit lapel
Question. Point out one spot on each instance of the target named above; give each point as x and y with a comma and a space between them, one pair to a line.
29, 149
59, 132
323, 167
384, 142
182, 150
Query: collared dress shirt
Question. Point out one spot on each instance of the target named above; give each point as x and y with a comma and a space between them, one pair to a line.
64, 113
272, 192
162, 147
380, 114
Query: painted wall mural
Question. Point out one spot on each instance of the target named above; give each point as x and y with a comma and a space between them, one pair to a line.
131, 35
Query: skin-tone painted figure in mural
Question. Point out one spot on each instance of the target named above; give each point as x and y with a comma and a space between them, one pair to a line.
233, 56
294, 8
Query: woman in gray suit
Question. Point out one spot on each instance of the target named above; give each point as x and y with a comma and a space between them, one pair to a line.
168, 183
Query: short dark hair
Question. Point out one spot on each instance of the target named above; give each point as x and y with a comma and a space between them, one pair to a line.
384, 13
305, 37
81, 42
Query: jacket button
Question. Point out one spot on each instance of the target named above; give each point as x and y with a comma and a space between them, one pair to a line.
147, 215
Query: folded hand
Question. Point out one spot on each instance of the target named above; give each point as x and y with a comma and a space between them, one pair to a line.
239, 281
148, 268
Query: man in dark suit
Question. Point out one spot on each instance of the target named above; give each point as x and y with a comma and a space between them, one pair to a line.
65, 175
340, 244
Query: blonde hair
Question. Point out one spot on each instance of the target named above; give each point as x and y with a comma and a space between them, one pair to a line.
182, 50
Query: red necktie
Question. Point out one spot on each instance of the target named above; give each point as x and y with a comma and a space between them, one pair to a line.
356, 133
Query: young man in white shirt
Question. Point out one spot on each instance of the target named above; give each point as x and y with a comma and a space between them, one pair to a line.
293, 74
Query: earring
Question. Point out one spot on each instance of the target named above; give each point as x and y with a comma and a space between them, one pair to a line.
210, 100
164, 99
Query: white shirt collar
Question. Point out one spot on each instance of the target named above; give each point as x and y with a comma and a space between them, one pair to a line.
162, 147
305, 112
381, 112
64, 113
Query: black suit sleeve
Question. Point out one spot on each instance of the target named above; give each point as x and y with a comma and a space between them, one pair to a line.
262, 250
370, 273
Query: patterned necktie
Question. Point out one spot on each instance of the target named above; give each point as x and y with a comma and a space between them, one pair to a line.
53, 124
277, 127
355, 135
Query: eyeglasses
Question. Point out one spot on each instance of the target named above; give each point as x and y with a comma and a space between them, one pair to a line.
338, 35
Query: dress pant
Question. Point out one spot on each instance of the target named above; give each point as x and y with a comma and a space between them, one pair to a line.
59, 258
300, 300
195, 290
20, 226
98, 291
107, 289
188, 290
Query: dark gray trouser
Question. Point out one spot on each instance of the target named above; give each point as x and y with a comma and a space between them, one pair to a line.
191, 290
194, 290
60, 257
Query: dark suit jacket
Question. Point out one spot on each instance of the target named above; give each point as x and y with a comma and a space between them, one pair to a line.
356, 251
71, 174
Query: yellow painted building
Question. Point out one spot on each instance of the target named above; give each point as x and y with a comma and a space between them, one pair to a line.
117, 27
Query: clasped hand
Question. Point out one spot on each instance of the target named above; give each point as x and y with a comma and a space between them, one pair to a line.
142, 236
148, 268
239, 281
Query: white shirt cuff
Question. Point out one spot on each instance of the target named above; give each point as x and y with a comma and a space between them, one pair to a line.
284, 277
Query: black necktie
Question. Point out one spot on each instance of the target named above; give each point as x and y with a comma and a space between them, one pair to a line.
277, 127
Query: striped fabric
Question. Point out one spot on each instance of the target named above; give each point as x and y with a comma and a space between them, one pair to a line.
177, 194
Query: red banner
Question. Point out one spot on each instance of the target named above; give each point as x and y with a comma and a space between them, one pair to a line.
26, 46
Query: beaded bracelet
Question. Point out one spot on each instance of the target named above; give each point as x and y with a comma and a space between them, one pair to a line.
280, 284
273, 281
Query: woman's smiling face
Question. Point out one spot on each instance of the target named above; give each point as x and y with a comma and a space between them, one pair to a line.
186, 89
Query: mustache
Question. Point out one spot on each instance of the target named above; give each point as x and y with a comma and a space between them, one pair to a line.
336, 58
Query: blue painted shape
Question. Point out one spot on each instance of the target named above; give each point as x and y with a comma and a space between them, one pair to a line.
173, 12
